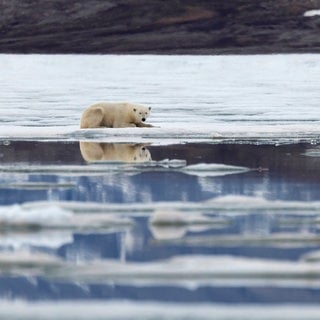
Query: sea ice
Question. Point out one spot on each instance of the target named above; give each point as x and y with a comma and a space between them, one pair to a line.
312, 13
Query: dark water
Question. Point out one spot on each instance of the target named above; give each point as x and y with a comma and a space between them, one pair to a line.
287, 173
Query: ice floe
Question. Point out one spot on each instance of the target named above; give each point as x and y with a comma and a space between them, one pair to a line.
54, 216
24, 239
203, 98
174, 224
125, 310
23, 259
189, 268
228, 205
174, 217
275, 240
312, 13
49, 216
178, 270
172, 134
109, 167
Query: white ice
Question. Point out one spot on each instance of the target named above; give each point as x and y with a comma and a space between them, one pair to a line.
125, 310
54, 216
200, 170
16, 215
192, 97
312, 13
229, 205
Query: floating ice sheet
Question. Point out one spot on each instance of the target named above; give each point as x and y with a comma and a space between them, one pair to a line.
172, 134
54, 216
260, 98
232, 205
106, 167
275, 240
196, 267
124, 310
178, 270
312, 13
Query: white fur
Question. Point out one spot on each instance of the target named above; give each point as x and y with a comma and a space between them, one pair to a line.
115, 115
92, 151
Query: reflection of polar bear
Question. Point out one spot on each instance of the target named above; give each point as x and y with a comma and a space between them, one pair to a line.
115, 115
92, 151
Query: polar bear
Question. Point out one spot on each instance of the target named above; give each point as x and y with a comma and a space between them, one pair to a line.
93, 151
115, 115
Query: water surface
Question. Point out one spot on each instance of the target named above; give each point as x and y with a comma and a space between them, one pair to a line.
225, 211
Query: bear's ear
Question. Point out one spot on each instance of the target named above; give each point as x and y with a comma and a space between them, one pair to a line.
134, 109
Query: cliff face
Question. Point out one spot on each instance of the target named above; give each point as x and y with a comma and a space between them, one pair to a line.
159, 26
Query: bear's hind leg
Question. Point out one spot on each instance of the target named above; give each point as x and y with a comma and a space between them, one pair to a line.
92, 118
91, 151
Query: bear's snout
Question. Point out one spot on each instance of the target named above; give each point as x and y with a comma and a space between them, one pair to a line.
143, 119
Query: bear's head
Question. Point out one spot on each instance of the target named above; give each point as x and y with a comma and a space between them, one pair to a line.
141, 154
141, 113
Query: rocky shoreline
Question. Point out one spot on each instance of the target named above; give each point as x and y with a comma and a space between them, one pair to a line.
161, 27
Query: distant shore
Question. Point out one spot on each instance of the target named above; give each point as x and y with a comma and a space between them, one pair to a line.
144, 26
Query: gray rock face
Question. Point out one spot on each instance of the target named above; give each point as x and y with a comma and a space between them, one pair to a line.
159, 26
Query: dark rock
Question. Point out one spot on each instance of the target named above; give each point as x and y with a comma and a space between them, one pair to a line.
158, 26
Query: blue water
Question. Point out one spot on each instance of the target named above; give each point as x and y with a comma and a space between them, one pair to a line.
235, 96
278, 175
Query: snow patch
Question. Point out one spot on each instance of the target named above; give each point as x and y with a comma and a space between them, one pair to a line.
312, 13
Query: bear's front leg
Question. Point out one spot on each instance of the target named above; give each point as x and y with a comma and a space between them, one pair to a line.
146, 125
123, 125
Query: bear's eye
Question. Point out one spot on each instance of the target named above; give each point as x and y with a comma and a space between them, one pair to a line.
134, 109
149, 108
140, 113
